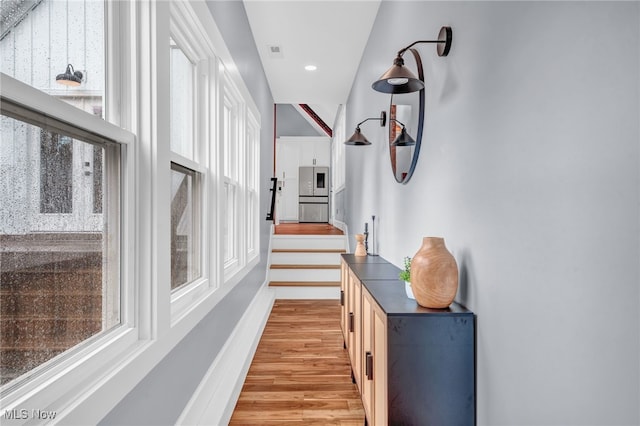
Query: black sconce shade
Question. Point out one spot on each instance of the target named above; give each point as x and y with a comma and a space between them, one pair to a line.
404, 139
398, 79
70, 77
358, 138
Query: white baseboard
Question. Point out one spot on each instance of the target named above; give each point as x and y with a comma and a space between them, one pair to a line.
307, 292
215, 398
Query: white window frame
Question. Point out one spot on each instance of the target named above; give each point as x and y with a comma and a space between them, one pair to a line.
46, 384
338, 151
84, 387
338, 162
231, 100
61, 385
246, 153
184, 30
252, 218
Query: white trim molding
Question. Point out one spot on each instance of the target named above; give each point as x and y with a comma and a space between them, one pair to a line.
215, 398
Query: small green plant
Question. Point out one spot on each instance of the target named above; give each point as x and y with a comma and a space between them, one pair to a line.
405, 275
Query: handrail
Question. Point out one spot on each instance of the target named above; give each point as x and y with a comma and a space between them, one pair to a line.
274, 180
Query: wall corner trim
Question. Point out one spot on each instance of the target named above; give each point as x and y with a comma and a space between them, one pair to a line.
215, 398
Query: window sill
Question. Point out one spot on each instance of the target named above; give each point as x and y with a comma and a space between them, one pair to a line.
185, 298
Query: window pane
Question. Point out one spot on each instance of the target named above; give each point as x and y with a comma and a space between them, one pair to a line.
40, 38
229, 223
252, 166
181, 102
185, 227
59, 261
230, 140
251, 221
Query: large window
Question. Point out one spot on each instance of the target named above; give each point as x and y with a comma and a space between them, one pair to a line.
231, 147
110, 240
59, 186
253, 199
240, 133
337, 151
59, 229
186, 186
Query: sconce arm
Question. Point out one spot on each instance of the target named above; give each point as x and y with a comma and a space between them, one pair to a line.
401, 51
382, 119
444, 37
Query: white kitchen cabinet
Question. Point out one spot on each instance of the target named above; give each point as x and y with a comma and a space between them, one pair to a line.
291, 154
315, 152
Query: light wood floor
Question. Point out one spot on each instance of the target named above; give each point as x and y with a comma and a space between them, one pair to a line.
300, 373
307, 229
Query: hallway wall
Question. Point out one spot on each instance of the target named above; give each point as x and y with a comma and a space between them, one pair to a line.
530, 171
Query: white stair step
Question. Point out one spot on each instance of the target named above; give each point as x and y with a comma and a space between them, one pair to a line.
308, 242
307, 292
304, 275
309, 258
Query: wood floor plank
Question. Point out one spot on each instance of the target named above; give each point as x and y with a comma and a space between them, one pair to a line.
307, 229
300, 373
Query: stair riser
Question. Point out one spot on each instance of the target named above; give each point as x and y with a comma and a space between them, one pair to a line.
306, 258
307, 293
305, 242
304, 275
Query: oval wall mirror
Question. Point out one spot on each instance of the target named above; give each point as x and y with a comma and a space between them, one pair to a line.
406, 109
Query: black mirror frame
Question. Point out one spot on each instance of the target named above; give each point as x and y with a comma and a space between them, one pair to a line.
418, 138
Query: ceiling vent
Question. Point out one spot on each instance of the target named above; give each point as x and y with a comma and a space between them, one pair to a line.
275, 51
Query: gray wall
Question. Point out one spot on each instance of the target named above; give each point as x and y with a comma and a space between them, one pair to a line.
161, 396
289, 122
529, 170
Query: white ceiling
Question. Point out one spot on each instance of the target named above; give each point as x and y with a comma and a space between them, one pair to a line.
328, 34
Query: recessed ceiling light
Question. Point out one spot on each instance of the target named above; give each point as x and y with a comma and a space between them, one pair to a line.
310, 68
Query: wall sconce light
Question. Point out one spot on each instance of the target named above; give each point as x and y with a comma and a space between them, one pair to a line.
70, 77
404, 138
358, 138
398, 79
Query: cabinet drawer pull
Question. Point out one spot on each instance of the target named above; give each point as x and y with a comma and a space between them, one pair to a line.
351, 322
341, 297
369, 365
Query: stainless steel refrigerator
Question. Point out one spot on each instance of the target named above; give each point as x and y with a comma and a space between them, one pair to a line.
313, 194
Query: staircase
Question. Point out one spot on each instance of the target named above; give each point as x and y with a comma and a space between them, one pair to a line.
306, 266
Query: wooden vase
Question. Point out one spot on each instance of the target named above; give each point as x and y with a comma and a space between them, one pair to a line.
434, 274
360, 249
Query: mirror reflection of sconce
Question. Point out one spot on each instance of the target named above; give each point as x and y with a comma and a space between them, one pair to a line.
404, 138
400, 80
70, 77
358, 138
